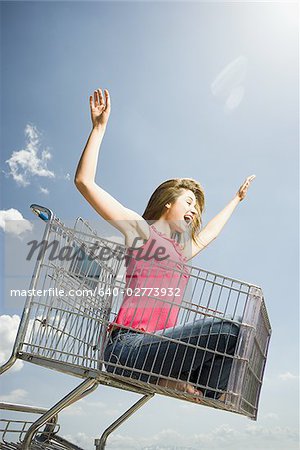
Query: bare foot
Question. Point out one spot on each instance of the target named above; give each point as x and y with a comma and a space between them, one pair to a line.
222, 398
182, 386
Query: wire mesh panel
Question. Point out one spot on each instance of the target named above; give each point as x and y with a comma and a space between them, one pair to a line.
15, 422
160, 325
217, 347
13, 432
66, 306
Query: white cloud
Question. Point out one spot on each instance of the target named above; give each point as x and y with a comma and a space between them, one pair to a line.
258, 433
8, 331
228, 85
30, 161
44, 191
224, 436
80, 408
68, 177
81, 439
14, 396
12, 221
287, 376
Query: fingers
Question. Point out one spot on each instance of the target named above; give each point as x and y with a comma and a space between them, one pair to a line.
249, 179
107, 99
91, 101
101, 98
245, 186
97, 99
247, 182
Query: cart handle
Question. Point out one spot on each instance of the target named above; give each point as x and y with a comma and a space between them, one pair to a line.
43, 213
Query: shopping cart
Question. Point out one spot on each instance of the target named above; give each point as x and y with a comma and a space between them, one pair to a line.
83, 278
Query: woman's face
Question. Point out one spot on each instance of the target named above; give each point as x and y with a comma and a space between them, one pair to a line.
180, 214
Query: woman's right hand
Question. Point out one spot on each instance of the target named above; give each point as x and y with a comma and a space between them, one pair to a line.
100, 108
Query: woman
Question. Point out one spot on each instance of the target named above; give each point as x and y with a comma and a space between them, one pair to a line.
144, 337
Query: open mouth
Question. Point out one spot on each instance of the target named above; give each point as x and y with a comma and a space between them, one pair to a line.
188, 219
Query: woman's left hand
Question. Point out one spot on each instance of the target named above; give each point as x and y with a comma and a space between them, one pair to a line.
241, 194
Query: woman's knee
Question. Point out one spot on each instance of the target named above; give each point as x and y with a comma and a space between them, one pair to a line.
225, 327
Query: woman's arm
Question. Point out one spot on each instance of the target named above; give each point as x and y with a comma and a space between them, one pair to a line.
214, 227
100, 111
125, 220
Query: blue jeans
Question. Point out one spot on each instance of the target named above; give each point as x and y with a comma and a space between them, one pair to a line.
201, 353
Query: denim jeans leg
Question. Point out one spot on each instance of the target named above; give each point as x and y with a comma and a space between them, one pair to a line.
118, 354
215, 370
190, 357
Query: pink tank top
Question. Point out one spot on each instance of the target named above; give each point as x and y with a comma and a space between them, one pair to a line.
156, 278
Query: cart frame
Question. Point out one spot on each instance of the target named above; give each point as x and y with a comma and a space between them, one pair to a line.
34, 345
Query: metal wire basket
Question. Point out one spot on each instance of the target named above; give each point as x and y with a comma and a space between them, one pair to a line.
84, 278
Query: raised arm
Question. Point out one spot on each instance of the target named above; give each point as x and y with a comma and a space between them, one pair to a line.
128, 222
214, 226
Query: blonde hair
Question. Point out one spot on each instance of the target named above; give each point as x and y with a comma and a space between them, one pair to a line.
168, 192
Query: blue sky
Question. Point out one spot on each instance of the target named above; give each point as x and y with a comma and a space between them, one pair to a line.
202, 90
